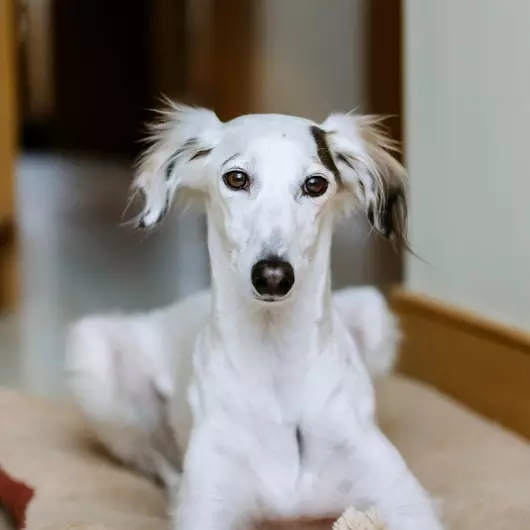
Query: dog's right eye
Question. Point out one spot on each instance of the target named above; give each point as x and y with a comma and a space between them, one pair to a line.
236, 180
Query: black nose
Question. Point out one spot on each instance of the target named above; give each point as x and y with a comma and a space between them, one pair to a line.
272, 277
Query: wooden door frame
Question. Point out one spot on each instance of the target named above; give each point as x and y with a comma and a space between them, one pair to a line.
222, 41
384, 83
8, 150
385, 62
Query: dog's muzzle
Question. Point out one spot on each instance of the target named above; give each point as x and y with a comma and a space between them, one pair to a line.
272, 278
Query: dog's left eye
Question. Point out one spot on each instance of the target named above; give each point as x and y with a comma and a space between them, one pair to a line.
315, 186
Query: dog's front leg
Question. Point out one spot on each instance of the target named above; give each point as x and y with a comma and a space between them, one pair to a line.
382, 479
215, 493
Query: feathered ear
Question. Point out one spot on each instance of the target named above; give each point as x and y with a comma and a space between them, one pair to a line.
181, 145
362, 153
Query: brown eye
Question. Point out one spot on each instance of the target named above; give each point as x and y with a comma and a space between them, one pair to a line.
315, 186
236, 180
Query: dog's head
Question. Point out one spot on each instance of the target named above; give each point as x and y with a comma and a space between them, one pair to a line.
273, 185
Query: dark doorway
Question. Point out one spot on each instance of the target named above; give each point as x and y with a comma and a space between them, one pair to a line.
101, 73
108, 64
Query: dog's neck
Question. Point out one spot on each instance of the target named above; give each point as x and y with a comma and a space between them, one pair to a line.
242, 323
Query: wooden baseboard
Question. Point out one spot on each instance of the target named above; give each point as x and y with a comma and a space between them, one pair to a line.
481, 363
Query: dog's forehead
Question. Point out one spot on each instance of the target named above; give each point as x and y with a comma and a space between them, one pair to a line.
246, 131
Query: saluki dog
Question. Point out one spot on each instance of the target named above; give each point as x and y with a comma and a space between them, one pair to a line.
254, 401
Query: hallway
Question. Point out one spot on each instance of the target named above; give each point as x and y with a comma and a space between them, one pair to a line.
77, 257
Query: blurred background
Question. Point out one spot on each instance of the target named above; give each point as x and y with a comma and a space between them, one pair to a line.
82, 78
78, 79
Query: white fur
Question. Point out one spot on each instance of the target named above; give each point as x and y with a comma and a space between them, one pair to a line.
267, 407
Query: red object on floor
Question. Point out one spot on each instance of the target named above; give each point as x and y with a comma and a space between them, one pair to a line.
14, 498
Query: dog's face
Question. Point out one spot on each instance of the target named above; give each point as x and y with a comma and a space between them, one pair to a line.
270, 193
273, 185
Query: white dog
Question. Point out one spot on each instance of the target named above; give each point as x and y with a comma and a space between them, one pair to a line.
254, 401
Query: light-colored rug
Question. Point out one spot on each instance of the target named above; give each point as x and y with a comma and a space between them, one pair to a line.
480, 471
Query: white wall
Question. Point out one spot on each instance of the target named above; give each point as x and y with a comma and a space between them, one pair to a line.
467, 117
310, 62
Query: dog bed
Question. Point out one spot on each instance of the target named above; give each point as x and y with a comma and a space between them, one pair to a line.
479, 471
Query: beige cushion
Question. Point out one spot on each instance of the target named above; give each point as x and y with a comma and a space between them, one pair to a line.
481, 471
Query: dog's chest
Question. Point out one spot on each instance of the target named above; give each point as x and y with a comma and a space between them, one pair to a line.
302, 460
286, 418
302, 469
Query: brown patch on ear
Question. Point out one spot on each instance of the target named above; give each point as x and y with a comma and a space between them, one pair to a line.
362, 188
344, 159
379, 146
394, 215
163, 213
323, 152
171, 165
389, 213
190, 144
354, 165
187, 145
140, 225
